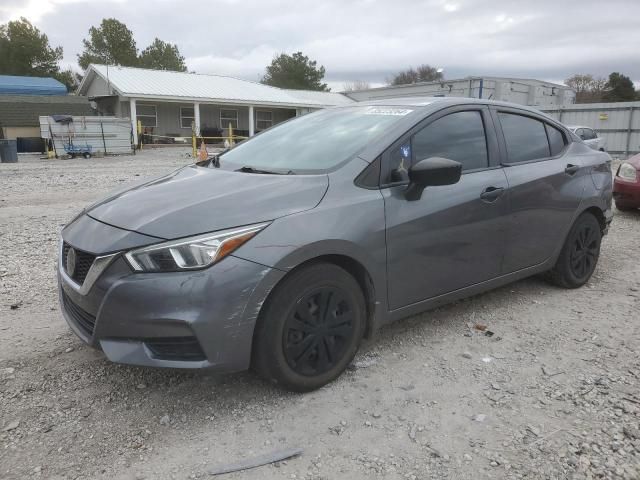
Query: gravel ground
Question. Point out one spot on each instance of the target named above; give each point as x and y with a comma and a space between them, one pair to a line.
554, 393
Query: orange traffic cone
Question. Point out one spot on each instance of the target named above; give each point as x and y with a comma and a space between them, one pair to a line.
202, 153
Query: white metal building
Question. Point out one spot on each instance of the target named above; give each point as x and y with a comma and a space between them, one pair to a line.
166, 103
523, 91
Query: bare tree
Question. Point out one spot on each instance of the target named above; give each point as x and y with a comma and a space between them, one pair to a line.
424, 73
355, 85
589, 89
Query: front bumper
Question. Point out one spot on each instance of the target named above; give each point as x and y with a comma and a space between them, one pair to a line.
626, 194
198, 319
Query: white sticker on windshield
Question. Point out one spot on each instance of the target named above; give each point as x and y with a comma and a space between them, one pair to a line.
388, 111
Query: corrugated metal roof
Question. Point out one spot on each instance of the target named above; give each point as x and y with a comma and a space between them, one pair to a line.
17, 85
324, 98
24, 110
145, 83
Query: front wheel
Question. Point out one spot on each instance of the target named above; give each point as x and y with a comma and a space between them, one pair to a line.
310, 328
579, 255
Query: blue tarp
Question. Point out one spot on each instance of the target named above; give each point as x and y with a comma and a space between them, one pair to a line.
14, 85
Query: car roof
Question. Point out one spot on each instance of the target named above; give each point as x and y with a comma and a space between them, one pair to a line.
575, 127
423, 106
439, 102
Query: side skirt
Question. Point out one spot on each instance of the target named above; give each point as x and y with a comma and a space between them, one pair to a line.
466, 292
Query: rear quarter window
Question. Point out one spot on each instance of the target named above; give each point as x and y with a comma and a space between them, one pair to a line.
557, 140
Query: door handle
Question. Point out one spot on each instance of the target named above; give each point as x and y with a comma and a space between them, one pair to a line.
571, 169
491, 194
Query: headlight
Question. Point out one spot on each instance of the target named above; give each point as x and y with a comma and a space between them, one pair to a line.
627, 171
190, 253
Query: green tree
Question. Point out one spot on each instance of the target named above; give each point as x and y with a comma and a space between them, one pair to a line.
110, 43
424, 73
619, 88
70, 78
162, 56
295, 71
24, 50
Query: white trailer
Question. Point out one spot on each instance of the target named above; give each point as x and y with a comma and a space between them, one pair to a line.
523, 91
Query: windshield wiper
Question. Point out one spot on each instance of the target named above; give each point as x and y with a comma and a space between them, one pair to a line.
248, 169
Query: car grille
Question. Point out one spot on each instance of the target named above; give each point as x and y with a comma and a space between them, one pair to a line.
176, 348
84, 261
83, 319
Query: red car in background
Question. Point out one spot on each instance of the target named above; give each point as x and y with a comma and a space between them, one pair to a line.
626, 184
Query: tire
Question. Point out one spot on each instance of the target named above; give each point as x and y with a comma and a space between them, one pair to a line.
579, 255
293, 345
86, 155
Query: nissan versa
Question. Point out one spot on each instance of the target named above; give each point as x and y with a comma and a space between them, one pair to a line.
284, 252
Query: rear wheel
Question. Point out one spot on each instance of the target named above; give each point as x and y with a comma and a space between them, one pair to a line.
86, 155
579, 255
310, 328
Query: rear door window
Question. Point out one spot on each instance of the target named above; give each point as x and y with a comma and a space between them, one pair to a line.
557, 140
525, 138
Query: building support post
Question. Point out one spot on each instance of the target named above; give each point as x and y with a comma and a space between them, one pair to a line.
628, 146
134, 120
196, 119
252, 129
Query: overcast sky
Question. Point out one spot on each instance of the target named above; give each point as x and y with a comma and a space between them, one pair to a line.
365, 39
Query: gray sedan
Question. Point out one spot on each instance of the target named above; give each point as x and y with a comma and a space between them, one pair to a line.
284, 252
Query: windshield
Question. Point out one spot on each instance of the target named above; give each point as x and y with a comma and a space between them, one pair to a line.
316, 142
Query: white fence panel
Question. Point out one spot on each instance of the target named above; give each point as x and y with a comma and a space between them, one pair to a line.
618, 123
105, 135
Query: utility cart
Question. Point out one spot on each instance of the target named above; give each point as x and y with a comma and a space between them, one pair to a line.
75, 150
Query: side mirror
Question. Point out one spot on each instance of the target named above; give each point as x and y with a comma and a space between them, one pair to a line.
432, 172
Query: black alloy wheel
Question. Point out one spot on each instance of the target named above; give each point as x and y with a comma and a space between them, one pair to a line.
579, 255
585, 251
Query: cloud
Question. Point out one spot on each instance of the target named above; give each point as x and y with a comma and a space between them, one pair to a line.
34, 10
365, 39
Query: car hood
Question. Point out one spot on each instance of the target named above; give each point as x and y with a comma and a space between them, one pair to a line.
196, 200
